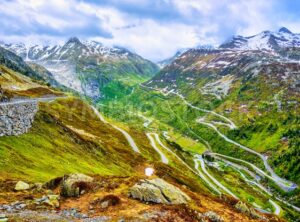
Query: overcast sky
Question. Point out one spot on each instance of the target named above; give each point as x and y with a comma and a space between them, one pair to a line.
154, 29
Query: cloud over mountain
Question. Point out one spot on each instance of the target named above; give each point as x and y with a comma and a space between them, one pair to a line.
154, 29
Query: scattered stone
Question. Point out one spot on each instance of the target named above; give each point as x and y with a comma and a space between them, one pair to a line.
13, 207
20, 206
50, 200
249, 211
22, 186
212, 216
73, 212
73, 185
41, 200
158, 191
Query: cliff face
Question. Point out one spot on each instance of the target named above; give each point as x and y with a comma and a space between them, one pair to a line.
16, 118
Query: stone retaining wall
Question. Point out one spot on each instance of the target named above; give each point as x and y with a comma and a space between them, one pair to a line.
16, 119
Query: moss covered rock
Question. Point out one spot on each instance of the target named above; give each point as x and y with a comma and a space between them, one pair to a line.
158, 191
73, 185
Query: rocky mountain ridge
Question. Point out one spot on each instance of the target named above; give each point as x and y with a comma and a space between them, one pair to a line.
86, 66
282, 42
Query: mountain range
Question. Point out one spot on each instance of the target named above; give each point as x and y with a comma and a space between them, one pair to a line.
87, 66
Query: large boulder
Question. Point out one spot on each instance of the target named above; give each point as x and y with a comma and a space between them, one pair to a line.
22, 186
73, 185
158, 191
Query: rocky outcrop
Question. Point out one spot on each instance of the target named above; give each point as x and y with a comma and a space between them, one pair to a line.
22, 186
16, 118
158, 191
73, 185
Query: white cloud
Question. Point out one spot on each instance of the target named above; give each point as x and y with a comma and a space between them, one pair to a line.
153, 28
154, 40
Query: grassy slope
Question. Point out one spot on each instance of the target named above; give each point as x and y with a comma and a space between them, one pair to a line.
52, 148
68, 137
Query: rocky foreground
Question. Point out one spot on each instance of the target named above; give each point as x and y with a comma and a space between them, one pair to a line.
78, 197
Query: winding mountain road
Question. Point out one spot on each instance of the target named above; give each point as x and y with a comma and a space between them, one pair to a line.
29, 100
197, 172
282, 183
147, 122
276, 206
231, 125
163, 157
165, 160
202, 164
205, 179
259, 171
126, 135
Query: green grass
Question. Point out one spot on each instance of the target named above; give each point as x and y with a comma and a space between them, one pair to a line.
51, 149
187, 143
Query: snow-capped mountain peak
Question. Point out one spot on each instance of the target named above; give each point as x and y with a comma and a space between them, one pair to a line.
74, 47
266, 40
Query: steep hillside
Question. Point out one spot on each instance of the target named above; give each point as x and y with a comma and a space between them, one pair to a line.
88, 66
